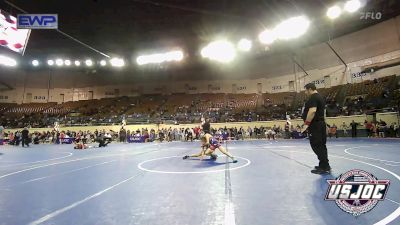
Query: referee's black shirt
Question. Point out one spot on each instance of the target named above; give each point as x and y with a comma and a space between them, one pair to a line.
315, 100
206, 127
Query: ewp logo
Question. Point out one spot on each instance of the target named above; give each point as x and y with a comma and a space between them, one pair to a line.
37, 21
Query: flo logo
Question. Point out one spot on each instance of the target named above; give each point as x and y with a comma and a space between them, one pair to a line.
357, 191
371, 15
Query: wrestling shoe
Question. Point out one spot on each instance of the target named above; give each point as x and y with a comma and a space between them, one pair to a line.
321, 171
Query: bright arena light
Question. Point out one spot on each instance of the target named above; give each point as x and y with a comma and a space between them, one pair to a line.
173, 56
7, 61
35, 62
117, 62
59, 62
244, 45
103, 62
50, 62
334, 12
160, 57
292, 28
89, 62
77, 63
221, 51
267, 37
352, 5
141, 60
67, 62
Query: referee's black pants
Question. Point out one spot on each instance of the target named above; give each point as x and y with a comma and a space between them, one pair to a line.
317, 133
25, 141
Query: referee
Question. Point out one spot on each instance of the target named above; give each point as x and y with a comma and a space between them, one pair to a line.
206, 126
314, 121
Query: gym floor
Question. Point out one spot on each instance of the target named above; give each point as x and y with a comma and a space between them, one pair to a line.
150, 184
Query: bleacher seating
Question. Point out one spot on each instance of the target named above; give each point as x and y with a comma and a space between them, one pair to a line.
370, 88
279, 98
188, 107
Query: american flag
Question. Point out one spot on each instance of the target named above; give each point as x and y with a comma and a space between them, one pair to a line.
11, 37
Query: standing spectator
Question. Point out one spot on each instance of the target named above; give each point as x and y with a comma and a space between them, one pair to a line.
175, 134
25, 137
241, 133
96, 133
1, 134
161, 135
287, 130
382, 129
368, 128
169, 135
146, 136
128, 135
178, 134
152, 135
392, 131
344, 128
353, 129
122, 135
183, 134
249, 132
196, 132
374, 129
17, 138
189, 134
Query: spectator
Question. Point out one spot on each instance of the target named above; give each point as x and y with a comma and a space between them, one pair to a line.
392, 132
1, 134
382, 129
35, 138
17, 138
122, 135
345, 129
368, 128
287, 130
353, 129
333, 131
375, 129
25, 137
249, 132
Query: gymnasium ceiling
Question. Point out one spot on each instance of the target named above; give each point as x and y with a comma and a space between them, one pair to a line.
130, 27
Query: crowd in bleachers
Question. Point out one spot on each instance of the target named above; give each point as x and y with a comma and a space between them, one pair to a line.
351, 99
372, 129
148, 135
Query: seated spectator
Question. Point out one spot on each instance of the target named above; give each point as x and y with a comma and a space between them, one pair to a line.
270, 133
35, 139
80, 145
333, 131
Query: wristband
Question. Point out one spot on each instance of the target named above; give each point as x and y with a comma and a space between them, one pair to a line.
307, 123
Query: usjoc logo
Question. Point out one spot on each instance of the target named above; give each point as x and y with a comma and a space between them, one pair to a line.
37, 21
357, 191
